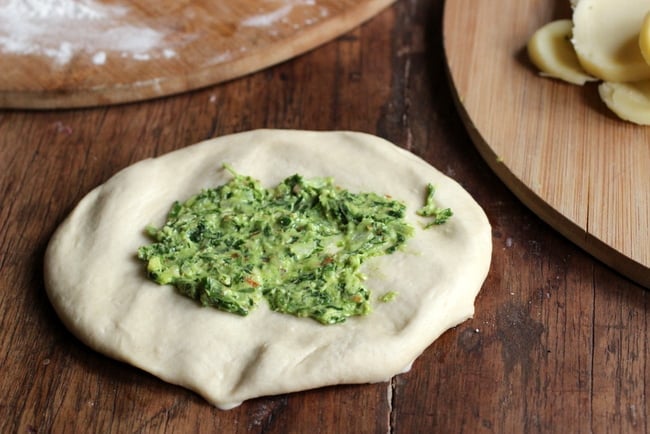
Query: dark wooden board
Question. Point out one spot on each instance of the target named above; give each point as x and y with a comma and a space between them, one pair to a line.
558, 342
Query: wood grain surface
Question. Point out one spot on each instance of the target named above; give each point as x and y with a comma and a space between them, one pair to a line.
62, 53
559, 341
556, 145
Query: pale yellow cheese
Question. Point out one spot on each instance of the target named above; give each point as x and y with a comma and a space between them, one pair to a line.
606, 38
629, 101
644, 38
551, 51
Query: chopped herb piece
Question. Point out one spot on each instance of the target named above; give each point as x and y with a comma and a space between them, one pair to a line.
388, 297
430, 209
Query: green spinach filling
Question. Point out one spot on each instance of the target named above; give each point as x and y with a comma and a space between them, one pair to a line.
299, 245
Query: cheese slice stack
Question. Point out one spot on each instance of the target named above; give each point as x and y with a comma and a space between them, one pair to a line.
605, 40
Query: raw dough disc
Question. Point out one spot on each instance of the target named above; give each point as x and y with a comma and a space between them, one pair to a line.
99, 289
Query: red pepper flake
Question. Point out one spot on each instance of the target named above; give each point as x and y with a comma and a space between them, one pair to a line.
251, 282
327, 260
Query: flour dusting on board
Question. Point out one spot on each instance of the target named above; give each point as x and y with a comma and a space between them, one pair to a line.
41, 9
60, 29
269, 18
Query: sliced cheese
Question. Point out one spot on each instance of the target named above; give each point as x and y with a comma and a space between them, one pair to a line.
630, 101
606, 38
644, 38
551, 51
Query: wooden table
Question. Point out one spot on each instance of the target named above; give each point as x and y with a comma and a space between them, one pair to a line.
558, 342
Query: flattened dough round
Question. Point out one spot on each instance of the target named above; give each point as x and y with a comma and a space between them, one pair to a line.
99, 288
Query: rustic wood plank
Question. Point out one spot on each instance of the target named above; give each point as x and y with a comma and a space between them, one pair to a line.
558, 342
620, 361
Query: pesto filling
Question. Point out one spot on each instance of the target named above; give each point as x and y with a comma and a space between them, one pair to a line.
299, 245
431, 209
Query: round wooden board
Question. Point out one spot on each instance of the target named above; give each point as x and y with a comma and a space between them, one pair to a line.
555, 145
73, 53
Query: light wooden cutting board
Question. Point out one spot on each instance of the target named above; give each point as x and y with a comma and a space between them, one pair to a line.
555, 145
71, 53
